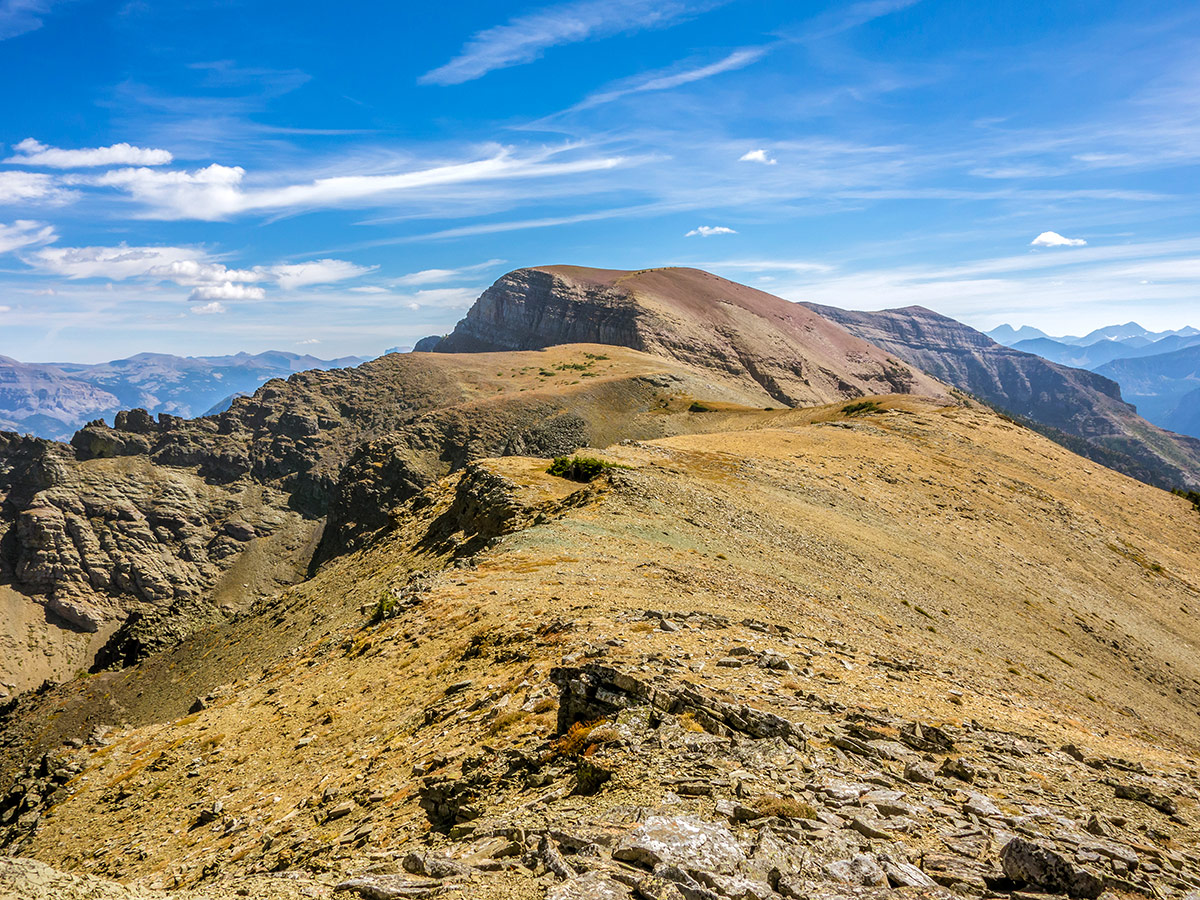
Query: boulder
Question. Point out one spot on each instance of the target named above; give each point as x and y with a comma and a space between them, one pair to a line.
1036, 865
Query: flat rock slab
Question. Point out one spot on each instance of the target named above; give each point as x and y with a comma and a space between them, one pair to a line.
685, 841
592, 886
389, 887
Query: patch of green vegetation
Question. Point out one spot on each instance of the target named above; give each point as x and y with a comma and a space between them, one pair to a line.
596, 356
578, 367
699, 407
386, 607
861, 408
580, 468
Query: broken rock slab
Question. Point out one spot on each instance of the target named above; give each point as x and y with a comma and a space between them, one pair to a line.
1040, 867
590, 886
685, 841
388, 887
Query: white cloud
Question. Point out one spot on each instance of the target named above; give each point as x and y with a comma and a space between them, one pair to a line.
187, 266
309, 341
32, 153
209, 309
438, 276
318, 271
368, 289
1054, 239
24, 233
216, 192
196, 271
116, 263
524, 38
757, 156
227, 291
27, 187
4, 309
709, 231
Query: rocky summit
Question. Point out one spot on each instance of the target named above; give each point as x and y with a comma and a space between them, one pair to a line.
643, 585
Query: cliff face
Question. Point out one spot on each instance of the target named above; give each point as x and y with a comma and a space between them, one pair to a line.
1072, 402
695, 317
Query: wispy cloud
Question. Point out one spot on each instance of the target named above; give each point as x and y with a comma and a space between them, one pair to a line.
32, 153
667, 79
210, 309
1054, 239
216, 192
709, 231
24, 233
525, 38
841, 19
319, 271
19, 17
441, 276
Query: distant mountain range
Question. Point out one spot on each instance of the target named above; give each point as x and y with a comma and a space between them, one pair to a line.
53, 400
1131, 334
1158, 371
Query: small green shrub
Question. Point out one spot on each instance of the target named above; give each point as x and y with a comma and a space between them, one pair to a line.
697, 406
579, 468
386, 607
862, 407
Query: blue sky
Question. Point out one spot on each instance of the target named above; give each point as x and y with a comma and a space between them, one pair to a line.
203, 177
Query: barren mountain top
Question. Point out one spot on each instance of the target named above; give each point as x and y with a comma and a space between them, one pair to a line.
798, 357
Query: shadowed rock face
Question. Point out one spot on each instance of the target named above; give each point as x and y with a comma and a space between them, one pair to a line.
695, 317
1074, 403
